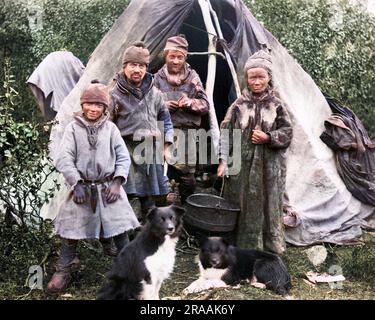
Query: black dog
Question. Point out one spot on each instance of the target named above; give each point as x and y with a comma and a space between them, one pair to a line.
221, 265
143, 265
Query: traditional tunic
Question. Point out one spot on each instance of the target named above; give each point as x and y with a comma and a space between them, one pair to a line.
93, 152
188, 85
174, 87
140, 110
259, 186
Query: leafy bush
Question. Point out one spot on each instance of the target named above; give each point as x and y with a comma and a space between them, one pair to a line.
16, 42
334, 41
30, 30
89, 21
25, 236
24, 167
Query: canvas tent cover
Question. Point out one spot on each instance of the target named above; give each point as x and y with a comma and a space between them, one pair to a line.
326, 210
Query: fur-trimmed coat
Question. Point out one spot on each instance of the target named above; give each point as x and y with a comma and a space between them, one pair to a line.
191, 87
259, 186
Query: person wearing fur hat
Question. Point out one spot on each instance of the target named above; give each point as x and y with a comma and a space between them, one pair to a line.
187, 103
95, 163
139, 109
266, 132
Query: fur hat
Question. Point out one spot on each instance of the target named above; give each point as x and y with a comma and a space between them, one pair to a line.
136, 53
178, 43
95, 92
260, 59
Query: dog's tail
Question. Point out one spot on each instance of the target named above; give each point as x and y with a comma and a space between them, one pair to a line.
274, 274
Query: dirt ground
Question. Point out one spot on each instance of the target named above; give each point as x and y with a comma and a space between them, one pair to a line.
357, 264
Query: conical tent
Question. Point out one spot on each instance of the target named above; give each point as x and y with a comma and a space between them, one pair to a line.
327, 212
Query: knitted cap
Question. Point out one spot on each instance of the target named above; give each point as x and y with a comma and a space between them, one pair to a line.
95, 92
260, 59
136, 53
178, 43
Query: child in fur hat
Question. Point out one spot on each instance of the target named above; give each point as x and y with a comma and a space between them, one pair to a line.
95, 163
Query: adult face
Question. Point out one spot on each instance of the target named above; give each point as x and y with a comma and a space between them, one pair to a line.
92, 110
135, 72
175, 61
258, 79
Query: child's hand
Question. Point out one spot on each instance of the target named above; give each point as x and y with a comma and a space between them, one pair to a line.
113, 191
79, 193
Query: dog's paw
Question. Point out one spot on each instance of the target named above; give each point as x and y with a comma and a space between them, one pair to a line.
216, 283
194, 287
254, 282
203, 284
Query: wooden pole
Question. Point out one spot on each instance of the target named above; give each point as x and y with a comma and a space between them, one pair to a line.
206, 53
227, 55
211, 72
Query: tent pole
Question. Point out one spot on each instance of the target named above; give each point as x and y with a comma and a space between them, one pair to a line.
227, 55
211, 73
206, 53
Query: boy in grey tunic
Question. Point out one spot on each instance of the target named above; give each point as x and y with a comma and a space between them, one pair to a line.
95, 163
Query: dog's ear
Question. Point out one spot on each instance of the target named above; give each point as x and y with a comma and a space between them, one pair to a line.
201, 239
225, 241
179, 210
151, 213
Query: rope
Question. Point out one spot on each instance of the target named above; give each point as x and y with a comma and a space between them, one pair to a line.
199, 29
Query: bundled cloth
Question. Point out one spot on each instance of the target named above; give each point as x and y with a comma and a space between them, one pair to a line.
53, 80
355, 153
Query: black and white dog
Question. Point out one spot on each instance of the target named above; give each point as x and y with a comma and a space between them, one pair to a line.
222, 265
143, 265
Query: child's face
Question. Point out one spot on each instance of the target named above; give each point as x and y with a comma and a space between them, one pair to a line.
92, 110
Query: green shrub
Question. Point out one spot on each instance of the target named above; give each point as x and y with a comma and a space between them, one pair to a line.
333, 41
73, 25
24, 167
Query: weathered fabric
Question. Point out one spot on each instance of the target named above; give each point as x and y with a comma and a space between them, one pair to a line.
53, 79
189, 86
355, 156
259, 186
82, 159
146, 179
140, 109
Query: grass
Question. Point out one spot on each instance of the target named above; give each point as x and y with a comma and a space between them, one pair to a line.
357, 264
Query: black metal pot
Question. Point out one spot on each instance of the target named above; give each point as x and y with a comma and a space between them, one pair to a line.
211, 213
